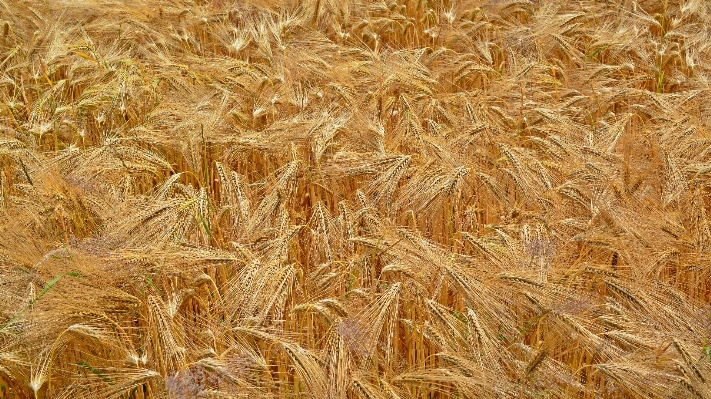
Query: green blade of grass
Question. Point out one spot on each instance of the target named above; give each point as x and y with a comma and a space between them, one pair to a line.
46, 289
96, 372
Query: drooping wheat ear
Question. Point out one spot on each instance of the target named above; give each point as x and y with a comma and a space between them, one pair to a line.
242, 200
374, 318
3, 183
627, 339
39, 375
481, 338
384, 186
325, 228
123, 382
624, 293
591, 340
309, 369
469, 285
265, 212
536, 361
281, 290
166, 342
688, 360
444, 317
689, 386
336, 365
366, 390
162, 192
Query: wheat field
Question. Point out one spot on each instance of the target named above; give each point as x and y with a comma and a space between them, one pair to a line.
377, 199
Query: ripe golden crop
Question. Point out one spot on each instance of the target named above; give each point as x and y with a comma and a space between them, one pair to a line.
390, 199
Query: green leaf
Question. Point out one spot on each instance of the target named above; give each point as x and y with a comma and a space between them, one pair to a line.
98, 373
46, 289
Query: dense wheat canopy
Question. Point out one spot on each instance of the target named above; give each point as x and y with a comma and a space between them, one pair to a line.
378, 199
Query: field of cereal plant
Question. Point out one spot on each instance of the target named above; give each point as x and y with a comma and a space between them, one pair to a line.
377, 199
